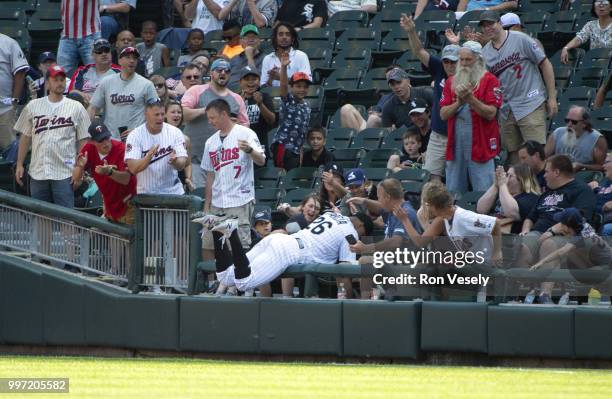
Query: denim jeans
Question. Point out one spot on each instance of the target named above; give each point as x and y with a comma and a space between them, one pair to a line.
70, 51
607, 229
58, 192
110, 26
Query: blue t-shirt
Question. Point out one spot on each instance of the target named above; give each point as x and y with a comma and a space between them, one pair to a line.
604, 194
436, 70
294, 119
394, 227
482, 4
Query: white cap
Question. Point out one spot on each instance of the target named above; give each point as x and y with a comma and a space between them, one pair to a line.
473, 46
510, 19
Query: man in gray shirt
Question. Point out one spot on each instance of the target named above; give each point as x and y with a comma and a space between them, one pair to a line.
586, 147
517, 60
252, 55
123, 96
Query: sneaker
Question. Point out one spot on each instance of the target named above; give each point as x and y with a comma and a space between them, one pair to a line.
232, 291
226, 227
207, 220
221, 289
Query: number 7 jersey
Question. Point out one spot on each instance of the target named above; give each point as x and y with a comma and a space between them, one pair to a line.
325, 239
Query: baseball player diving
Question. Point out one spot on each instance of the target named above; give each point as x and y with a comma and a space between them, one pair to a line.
323, 241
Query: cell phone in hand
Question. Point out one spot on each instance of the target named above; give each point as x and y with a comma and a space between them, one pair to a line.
121, 130
350, 239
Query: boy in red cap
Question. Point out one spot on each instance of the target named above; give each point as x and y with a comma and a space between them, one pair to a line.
294, 117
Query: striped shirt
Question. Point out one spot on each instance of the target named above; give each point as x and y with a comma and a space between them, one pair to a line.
80, 18
55, 129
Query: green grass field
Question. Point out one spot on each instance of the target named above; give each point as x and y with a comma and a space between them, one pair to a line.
171, 378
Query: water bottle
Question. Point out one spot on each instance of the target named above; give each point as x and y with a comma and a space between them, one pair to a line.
296, 292
341, 291
594, 297
530, 297
481, 297
564, 300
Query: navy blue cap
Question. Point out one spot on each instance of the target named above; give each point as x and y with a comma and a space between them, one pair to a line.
98, 131
571, 217
262, 216
47, 56
355, 177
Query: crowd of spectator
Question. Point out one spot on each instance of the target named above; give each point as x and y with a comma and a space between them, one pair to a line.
102, 107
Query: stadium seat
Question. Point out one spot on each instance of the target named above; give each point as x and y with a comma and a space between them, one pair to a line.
394, 140
347, 157
343, 78
407, 175
576, 96
268, 196
295, 197
599, 57
590, 77
376, 175
387, 19
20, 35
534, 22
376, 158
434, 23
28, 6
587, 176
354, 58
605, 128
352, 16
335, 120
574, 57
412, 188
410, 62
339, 138
323, 37
601, 114
469, 200
395, 41
358, 38
302, 177
316, 100
167, 72
562, 75
470, 18
266, 177
13, 18
558, 29
539, 5
368, 139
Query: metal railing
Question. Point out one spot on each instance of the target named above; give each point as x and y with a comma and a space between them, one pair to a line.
54, 233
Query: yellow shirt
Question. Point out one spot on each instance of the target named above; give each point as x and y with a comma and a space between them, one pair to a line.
232, 51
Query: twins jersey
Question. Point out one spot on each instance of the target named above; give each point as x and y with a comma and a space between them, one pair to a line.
123, 101
515, 64
12, 61
159, 177
471, 231
323, 241
55, 129
234, 182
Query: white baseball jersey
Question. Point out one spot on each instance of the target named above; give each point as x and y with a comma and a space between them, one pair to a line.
159, 177
55, 129
471, 231
12, 61
234, 182
323, 241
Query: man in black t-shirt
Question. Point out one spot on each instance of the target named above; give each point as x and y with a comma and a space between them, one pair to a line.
318, 154
396, 111
259, 105
303, 14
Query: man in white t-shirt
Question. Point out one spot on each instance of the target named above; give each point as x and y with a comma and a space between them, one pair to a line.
284, 40
155, 153
228, 160
205, 14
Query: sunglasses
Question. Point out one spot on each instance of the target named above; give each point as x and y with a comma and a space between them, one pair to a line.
448, 62
573, 121
229, 37
103, 51
160, 86
221, 70
193, 77
602, 3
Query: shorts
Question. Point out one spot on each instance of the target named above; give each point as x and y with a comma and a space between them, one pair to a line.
435, 157
7, 134
531, 241
244, 213
532, 127
129, 217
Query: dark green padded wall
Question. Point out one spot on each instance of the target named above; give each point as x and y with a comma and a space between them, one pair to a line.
454, 327
593, 333
63, 309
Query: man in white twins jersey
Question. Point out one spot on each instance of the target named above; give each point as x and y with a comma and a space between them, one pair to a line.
323, 241
155, 152
56, 127
228, 160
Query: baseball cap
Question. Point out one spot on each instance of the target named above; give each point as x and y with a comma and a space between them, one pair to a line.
451, 52
355, 177
129, 51
397, 74
54, 71
248, 29
510, 19
571, 217
298, 76
489, 16
418, 105
475, 47
98, 131
262, 216
335, 169
220, 63
46, 56
101, 44
247, 70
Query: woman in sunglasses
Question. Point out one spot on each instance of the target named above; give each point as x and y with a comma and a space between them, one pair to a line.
160, 87
597, 32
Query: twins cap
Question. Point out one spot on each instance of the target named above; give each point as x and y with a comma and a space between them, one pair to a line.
397, 74
247, 70
451, 52
510, 19
489, 16
220, 63
101, 44
46, 56
248, 29
355, 177
129, 51
54, 71
98, 130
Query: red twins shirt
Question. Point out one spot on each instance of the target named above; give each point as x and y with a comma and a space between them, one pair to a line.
115, 195
234, 183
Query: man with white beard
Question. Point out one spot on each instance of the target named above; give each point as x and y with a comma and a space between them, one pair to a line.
585, 146
469, 104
